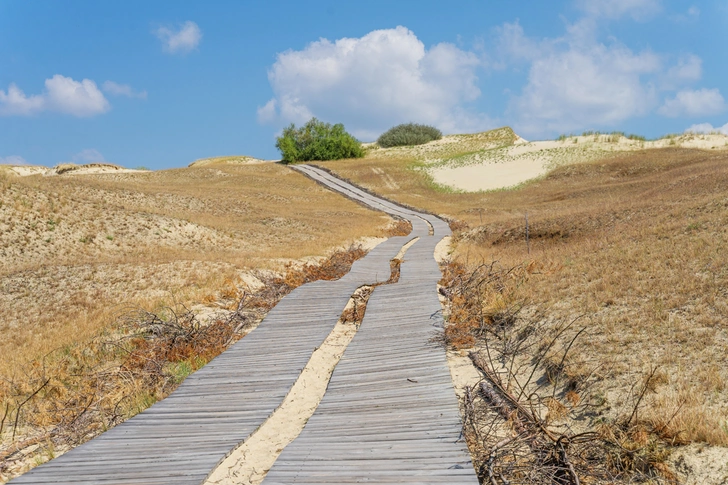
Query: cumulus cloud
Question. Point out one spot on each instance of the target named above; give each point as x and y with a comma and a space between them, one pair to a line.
79, 98
182, 40
62, 94
574, 81
373, 82
614, 9
116, 89
690, 102
708, 128
15, 102
13, 160
89, 155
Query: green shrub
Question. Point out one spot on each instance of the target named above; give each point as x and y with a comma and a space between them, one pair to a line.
408, 134
317, 140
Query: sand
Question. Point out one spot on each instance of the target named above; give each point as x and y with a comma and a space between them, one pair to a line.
504, 167
69, 169
244, 160
463, 372
490, 176
251, 460
698, 464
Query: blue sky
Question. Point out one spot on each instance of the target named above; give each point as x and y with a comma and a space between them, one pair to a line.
160, 84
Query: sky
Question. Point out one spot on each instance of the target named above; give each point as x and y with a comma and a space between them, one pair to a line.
161, 84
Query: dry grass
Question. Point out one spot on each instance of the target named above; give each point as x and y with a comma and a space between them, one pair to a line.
76, 392
74, 248
637, 244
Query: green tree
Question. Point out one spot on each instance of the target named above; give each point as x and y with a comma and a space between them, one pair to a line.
317, 140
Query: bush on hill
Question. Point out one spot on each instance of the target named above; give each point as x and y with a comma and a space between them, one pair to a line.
408, 134
317, 140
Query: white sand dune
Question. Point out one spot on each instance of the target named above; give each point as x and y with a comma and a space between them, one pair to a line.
68, 168
503, 167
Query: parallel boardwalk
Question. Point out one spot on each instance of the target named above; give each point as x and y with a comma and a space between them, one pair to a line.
375, 426
390, 414
180, 439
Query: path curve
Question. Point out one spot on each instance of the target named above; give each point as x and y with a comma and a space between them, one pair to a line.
180, 439
390, 414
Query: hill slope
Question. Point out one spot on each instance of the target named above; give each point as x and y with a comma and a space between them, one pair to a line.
629, 245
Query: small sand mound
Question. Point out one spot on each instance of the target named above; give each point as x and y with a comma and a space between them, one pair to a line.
23, 170
242, 160
89, 168
67, 168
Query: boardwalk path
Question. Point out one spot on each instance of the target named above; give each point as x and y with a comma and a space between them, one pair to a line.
390, 414
388, 429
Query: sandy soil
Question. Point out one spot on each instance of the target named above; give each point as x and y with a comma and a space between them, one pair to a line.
69, 168
244, 160
462, 370
73, 248
491, 176
251, 460
701, 465
503, 167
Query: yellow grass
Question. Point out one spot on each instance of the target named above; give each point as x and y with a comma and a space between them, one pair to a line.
76, 249
637, 243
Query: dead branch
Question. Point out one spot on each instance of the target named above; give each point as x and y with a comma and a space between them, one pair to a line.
20, 407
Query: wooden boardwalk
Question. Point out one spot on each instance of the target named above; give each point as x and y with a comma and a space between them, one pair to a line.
390, 414
374, 425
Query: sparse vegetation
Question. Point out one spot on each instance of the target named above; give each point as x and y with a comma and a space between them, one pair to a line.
317, 140
613, 136
79, 390
408, 134
214, 222
637, 244
540, 410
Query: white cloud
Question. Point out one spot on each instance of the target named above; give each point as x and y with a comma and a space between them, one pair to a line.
373, 82
182, 41
708, 128
62, 94
13, 160
15, 102
688, 69
693, 102
82, 98
575, 81
614, 9
89, 155
117, 89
